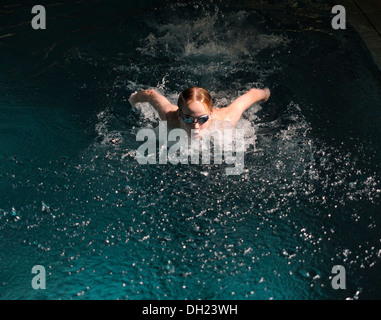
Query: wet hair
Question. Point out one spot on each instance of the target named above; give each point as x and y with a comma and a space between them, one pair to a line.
195, 94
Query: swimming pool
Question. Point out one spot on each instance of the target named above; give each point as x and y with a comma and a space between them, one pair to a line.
105, 227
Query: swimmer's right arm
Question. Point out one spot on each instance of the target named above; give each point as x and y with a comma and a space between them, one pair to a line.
158, 101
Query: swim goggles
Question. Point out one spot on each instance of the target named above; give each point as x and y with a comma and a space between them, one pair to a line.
189, 119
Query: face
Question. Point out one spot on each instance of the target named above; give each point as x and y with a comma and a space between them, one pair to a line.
195, 109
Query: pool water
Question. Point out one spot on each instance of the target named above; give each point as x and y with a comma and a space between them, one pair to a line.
106, 227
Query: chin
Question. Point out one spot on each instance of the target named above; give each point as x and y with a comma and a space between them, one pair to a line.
195, 133
195, 136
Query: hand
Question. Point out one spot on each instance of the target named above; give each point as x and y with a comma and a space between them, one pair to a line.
133, 98
142, 96
260, 95
266, 92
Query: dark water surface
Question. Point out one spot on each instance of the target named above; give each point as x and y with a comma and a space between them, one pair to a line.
105, 227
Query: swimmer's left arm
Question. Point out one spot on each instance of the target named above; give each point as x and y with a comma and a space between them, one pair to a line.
241, 104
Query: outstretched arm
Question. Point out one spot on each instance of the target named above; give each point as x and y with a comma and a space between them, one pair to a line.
241, 104
158, 101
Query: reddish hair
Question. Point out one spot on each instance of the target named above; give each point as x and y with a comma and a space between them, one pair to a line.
195, 94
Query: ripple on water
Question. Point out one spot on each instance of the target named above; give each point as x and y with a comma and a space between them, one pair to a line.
109, 228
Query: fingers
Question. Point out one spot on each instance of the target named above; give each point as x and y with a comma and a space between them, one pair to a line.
131, 98
267, 94
134, 98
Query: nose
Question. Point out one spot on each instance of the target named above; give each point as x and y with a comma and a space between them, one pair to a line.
196, 125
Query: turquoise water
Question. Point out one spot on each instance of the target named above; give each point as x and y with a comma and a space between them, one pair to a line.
105, 227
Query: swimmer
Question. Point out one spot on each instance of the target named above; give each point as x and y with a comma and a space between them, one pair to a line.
194, 110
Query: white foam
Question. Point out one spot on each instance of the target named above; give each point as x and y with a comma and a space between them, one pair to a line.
211, 34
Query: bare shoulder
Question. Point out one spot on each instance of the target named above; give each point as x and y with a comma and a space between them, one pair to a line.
172, 117
221, 114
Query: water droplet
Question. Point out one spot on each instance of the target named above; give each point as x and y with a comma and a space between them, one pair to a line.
14, 212
45, 207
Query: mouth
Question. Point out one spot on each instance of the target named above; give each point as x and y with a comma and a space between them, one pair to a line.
196, 132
